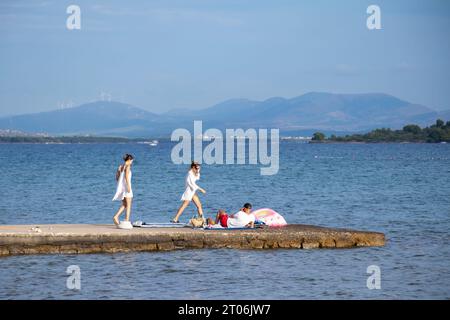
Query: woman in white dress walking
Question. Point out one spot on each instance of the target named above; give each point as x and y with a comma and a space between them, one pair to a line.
124, 192
190, 192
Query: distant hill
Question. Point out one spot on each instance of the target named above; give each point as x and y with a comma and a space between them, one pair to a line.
312, 111
101, 118
325, 111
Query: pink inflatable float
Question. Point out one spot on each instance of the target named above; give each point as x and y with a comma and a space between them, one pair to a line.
270, 217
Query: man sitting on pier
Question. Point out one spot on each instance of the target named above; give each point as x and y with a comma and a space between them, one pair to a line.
242, 219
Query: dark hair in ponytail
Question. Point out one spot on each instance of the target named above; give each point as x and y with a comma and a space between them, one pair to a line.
127, 157
194, 164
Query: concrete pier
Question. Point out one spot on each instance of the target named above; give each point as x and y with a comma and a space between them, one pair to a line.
91, 238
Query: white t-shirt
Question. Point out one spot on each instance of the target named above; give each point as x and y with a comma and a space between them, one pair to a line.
240, 220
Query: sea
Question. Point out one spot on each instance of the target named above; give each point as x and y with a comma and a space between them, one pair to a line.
402, 190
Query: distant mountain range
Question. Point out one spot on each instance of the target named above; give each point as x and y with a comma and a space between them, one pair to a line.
330, 113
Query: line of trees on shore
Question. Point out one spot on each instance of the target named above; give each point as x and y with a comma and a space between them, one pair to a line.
438, 132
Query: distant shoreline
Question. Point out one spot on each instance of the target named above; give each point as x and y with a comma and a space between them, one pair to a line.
375, 142
66, 140
110, 140
412, 133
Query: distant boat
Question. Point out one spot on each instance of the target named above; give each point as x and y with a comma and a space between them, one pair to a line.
152, 143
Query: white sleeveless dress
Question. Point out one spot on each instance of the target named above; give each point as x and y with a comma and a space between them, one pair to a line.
121, 190
191, 186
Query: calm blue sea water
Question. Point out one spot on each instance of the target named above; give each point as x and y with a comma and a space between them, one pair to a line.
402, 190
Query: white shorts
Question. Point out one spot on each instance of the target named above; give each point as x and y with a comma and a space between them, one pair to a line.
128, 194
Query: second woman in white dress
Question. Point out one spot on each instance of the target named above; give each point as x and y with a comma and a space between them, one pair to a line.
124, 192
190, 192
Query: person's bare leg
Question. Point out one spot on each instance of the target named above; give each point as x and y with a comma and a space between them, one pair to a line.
217, 217
198, 204
127, 216
181, 209
119, 212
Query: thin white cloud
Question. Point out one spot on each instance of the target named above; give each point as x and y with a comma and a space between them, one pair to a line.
19, 15
345, 70
24, 4
172, 15
403, 67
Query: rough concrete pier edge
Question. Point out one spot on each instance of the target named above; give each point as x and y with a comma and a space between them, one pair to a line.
90, 238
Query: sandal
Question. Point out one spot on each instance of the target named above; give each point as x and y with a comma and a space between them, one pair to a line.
174, 221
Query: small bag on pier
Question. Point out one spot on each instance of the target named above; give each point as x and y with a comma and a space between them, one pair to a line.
197, 222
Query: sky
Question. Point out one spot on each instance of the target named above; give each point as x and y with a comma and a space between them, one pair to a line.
170, 54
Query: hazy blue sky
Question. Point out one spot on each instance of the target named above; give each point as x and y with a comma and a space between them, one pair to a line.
167, 54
